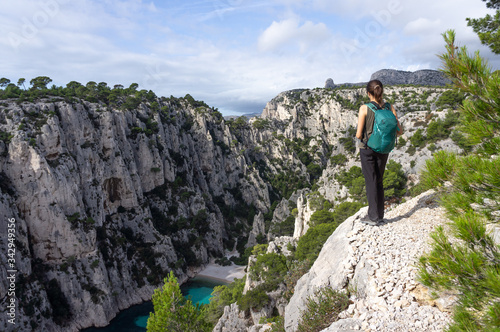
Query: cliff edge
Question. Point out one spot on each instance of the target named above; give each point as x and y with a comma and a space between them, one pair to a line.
378, 265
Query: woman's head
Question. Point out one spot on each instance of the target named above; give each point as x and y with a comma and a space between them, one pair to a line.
376, 89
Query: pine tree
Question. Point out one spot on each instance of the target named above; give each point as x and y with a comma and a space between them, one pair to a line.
488, 27
465, 258
173, 313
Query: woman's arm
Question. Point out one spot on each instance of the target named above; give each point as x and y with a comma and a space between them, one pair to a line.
400, 128
361, 121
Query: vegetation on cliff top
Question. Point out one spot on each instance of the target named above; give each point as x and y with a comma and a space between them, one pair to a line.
464, 258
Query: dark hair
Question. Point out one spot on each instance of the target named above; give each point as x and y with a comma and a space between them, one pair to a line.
376, 89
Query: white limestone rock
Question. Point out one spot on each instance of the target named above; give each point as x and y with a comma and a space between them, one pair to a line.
232, 320
378, 264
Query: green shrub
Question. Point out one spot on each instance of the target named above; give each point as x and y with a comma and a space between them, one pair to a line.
317, 201
286, 183
322, 217
224, 261
310, 244
314, 170
401, 142
346, 209
451, 98
436, 130
353, 180
322, 309
261, 124
417, 189
222, 296
394, 180
418, 139
284, 228
411, 150
348, 143
338, 159
5, 137
270, 268
254, 299
259, 249
461, 141
441, 129
296, 270
243, 259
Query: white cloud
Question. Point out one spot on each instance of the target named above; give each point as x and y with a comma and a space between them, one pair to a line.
289, 32
423, 26
358, 9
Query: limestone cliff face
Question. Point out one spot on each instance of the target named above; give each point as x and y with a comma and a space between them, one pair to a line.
108, 201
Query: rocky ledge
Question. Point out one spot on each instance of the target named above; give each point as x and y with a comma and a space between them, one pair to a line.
378, 264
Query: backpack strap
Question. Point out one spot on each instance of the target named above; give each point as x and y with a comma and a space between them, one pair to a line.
374, 106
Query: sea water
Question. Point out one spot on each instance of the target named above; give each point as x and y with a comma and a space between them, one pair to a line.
135, 318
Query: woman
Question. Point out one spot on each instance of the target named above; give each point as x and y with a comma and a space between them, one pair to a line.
373, 163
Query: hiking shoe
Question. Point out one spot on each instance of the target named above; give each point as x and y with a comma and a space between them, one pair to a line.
367, 221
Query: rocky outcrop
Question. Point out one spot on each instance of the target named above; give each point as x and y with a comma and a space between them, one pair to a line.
258, 229
419, 77
377, 264
426, 77
329, 84
303, 217
232, 320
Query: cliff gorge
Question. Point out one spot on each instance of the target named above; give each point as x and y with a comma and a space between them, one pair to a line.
108, 199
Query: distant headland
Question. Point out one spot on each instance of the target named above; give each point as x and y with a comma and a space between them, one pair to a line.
395, 77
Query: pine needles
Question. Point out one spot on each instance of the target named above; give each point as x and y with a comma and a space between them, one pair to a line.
466, 260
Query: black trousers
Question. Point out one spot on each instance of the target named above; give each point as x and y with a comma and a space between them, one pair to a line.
373, 166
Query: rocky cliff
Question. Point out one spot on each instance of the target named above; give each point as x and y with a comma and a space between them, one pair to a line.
425, 77
107, 200
419, 77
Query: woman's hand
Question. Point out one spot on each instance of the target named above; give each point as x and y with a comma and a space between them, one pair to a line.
399, 132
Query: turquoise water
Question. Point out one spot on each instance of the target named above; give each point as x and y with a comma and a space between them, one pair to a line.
135, 318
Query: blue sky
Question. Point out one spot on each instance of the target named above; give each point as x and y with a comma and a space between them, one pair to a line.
235, 55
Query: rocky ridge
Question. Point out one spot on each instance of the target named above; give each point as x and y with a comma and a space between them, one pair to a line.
378, 263
419, 77
426, 77
378, 266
